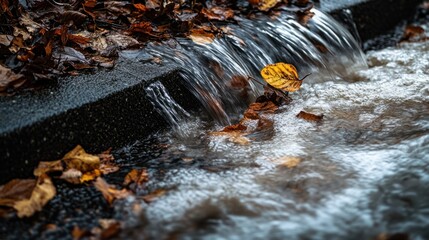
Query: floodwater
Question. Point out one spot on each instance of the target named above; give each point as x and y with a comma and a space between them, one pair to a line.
362, 173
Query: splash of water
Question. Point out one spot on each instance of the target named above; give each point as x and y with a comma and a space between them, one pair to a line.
323, 47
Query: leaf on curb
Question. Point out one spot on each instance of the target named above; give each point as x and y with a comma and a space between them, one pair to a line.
310, 116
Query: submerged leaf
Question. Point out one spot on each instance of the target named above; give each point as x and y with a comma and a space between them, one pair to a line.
282, 76
310, 116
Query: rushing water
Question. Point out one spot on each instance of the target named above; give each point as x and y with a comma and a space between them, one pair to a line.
361, 173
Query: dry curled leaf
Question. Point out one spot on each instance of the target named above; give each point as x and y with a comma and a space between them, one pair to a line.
282, 76
310, 116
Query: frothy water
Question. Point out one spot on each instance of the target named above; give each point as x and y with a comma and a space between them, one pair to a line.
324, 48
364, 171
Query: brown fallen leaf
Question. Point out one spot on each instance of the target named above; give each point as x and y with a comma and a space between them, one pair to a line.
140, 7
154, 195
200, 36
110, 193
218, 13
80, 160
9, 79
310, 116
110, 228
48, 167
413, 34
136, 179
42, 193
78, 233
268, 107
235, 127
16, 190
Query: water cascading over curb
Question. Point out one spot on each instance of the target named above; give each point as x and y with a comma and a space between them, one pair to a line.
323, 47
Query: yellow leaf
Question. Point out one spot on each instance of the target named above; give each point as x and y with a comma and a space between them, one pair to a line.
42, 193
282, 76
80, 160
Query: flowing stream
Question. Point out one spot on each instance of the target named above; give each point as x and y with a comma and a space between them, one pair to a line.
362, 173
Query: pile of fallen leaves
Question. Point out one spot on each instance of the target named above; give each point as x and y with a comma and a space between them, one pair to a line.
27, 196
44, 39
281, 78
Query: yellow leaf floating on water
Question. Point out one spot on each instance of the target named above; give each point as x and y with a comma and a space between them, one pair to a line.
282, 76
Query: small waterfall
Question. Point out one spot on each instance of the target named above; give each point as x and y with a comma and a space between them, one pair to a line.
323, 47
172, 112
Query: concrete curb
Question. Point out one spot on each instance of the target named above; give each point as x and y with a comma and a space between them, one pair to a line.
110, 108
106, 109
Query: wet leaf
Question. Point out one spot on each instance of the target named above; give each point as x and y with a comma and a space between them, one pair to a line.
42, 193
235, 127
110, 193
110, 228
80, 160
140, 7
6, 40
200, 36
9, 79
268, 107
218, 13
154, 195
310, 116
141, 27
136, 179
414, 34
264, 5
282, 76
78, 233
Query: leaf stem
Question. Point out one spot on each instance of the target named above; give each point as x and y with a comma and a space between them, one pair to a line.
305, 76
